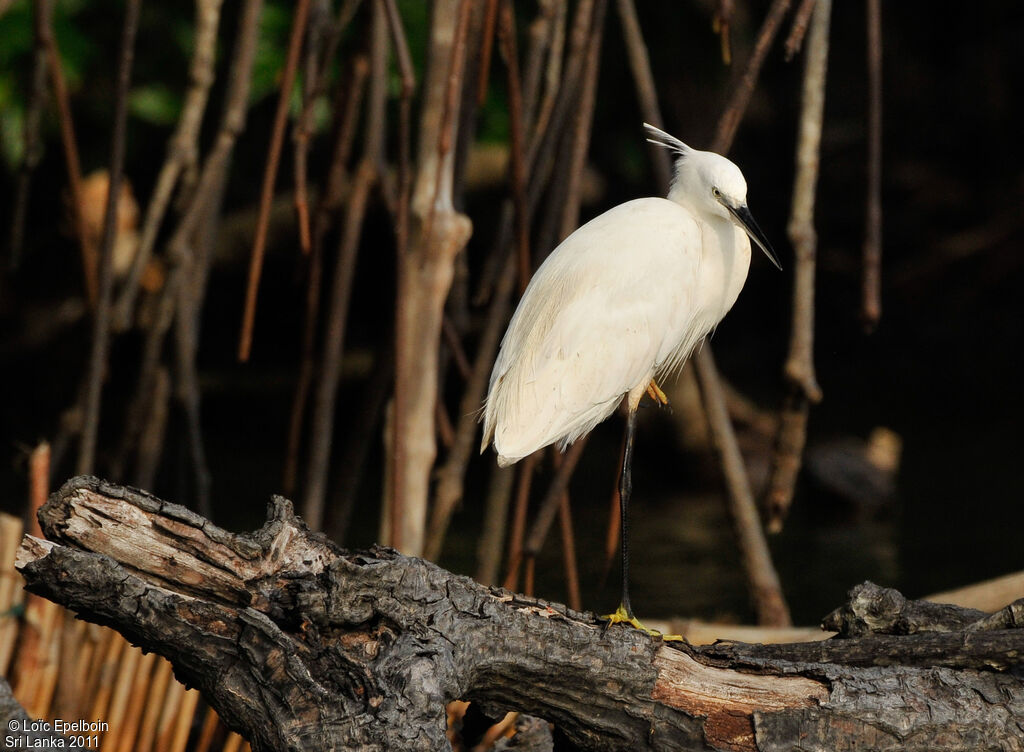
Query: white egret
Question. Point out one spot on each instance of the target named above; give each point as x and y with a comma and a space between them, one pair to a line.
621, 302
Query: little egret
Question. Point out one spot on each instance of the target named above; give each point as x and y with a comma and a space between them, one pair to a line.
619, 304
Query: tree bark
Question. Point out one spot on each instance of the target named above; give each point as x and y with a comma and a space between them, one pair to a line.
300, 645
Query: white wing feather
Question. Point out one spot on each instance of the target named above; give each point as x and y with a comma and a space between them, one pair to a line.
614, 304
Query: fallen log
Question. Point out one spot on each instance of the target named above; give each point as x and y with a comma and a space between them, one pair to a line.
300, 645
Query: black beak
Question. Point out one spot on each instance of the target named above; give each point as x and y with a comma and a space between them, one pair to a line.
746, 221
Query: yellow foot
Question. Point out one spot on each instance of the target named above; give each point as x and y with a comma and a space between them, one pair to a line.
622, 617
655, 393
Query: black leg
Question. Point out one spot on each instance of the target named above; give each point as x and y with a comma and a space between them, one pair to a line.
625, 491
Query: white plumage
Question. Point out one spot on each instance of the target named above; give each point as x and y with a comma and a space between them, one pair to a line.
621, 301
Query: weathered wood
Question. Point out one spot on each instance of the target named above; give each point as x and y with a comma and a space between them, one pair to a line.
300, 645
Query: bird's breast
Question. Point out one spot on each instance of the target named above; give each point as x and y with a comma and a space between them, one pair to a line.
725, 261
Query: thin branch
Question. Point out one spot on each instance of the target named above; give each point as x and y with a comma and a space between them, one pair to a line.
744, 86
488, 550
799, 368
517, 127
151, 441
346, 114
303, 127
572, 574
90, 264
518, 531
871, 305
269, 176
524, 140
408, 77
182, 151
801, 19
486, 45
640, 63
359, 438
721, 24
206, 196
332, 347
584, 120
101, 322
553, 499
762, 579
451, 338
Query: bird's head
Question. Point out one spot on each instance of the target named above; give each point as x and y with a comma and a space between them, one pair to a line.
709, 184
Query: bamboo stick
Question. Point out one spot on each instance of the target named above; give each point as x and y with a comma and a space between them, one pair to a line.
210, 724
121, 690
165, 728
137, 702
184, 721
154, 704
11, 593
49, 672
106, 676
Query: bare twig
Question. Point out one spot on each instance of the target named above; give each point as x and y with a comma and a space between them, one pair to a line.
799, 369
347, 108
90, 264
546, 27
366, 176
303, 127
451, 339
515, 538
744, 86
572, 574
552, 499
182, 151
269, 177
408, 76
721, 23
358, 441
517, 171
763, 581
30, 130
584, 119
201, 205
486, 45
640, 63
152, 439
101, 321
488, 551
801, 19
871, 306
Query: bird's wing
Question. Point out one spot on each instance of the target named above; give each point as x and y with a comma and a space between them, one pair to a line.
595, 321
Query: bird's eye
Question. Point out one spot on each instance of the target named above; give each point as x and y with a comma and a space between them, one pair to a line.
716, 193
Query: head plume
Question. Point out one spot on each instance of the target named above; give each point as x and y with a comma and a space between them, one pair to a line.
670, 142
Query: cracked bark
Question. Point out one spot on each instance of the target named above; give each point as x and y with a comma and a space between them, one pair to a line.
301, 645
